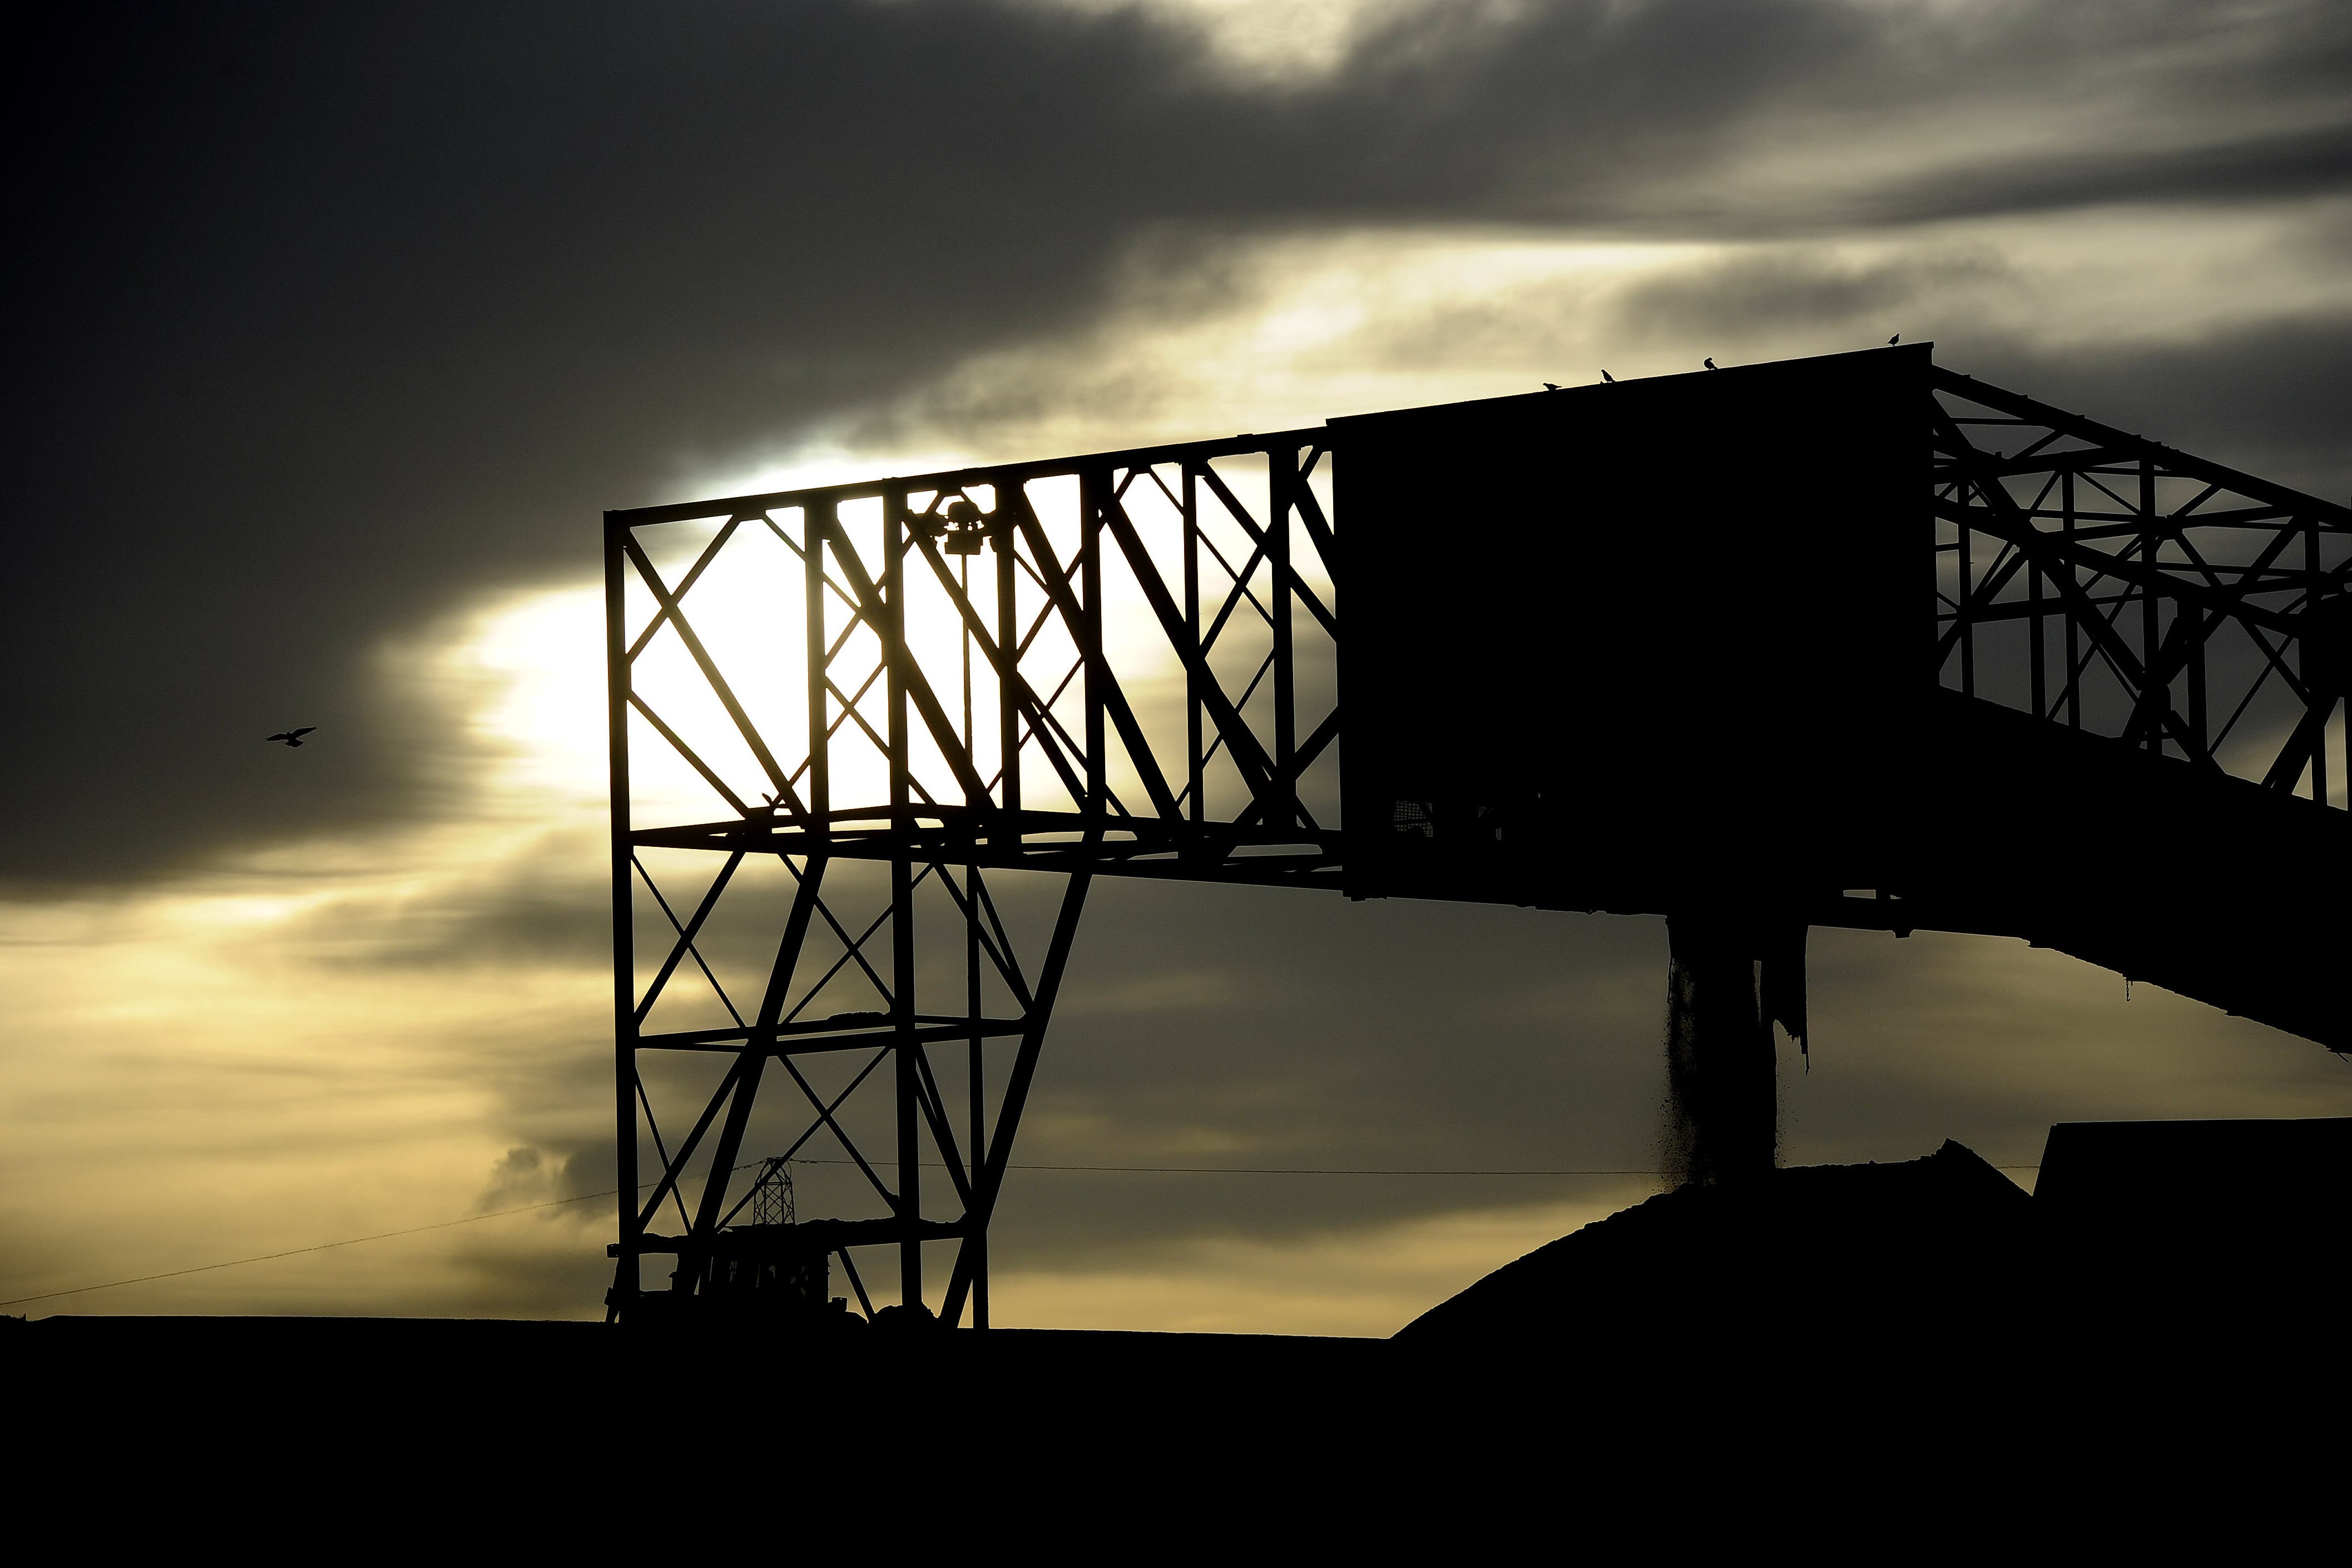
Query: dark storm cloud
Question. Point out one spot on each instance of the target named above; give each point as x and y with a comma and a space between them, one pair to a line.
2274, 399
2298, 163
1785, 290
2266, 393
327, 318
2270, 395
519, 1176
550, 905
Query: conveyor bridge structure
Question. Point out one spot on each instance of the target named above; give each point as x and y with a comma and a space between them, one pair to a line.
1854, 641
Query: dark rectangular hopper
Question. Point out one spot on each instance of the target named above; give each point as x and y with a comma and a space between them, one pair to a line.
1626, 647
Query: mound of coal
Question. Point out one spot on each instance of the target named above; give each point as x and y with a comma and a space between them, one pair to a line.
1822, 1251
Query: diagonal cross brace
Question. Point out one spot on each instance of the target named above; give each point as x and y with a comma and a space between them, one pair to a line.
918, 687
1311, 513
702, 659
685, 584
824, 1110
756, 1050
1257, 768
988, 1176
686, 933
1114, 700
680, 746
1023, 697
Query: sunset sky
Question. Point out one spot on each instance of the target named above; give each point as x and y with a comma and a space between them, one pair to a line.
335, 330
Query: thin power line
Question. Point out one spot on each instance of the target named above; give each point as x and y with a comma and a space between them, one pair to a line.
935, 1164
1308, 1170
320, 1247
1277, 1170
615, 1192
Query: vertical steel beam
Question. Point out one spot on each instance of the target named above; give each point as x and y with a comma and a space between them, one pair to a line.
625, 1276
975, 1063
2075, 607
1966, 596
977, 1080
909, 1081
1283, 482
2155, 696
2038, 633
2199, 720
2308, 667
1007, 545
1195, 765
1095, 490
817, 527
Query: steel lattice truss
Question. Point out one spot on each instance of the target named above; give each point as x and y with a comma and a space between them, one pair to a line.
844, 717
1117, 664
2107, 583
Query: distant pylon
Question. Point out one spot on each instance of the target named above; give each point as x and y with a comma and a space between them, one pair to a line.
771, 1194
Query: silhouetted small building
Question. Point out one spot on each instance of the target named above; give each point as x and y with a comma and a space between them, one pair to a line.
2231, 1212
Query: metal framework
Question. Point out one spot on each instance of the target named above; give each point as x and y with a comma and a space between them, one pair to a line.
964, 710
1123, 664
2105, 581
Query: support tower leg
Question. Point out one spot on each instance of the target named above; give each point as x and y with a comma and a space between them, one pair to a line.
1730, 979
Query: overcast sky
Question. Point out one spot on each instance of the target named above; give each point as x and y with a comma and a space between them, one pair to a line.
334, 328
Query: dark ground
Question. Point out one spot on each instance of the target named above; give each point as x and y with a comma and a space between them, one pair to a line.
557, 1436
1900, 1358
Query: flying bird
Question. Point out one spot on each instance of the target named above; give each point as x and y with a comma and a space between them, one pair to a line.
294, 737
1895, 339
1710, 364
1607, 377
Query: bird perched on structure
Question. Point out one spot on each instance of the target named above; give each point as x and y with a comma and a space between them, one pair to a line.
1710, 363
1895, 339
1607, 377
1551, 386
293, 736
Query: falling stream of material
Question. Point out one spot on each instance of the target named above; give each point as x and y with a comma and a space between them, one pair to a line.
1729, 980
